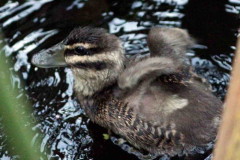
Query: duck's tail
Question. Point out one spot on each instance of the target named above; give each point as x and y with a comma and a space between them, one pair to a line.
169, 42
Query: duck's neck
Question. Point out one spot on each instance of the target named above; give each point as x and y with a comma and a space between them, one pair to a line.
95, 105
91, 82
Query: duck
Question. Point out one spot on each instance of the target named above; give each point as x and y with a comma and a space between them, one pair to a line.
156, 103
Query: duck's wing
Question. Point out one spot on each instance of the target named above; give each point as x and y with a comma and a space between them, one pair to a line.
150, 69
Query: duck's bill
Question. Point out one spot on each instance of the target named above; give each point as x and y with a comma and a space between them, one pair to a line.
52, 57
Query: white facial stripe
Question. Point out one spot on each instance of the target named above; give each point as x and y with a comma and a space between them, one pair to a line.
106, 57
85, 45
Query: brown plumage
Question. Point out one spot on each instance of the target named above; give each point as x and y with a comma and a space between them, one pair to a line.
156, 103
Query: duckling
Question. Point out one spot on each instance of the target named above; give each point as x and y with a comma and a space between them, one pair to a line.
155, 102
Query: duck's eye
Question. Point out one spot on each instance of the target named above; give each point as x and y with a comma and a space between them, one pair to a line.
81, 51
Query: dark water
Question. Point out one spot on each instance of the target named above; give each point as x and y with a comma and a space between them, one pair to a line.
66, 133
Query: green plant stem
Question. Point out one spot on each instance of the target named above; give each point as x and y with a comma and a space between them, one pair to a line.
11, 113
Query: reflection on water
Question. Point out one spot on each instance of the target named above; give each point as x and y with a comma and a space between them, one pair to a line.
37, 24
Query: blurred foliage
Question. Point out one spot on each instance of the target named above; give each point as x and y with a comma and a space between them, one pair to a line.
15, 116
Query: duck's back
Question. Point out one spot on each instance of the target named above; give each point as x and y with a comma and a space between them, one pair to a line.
169, 118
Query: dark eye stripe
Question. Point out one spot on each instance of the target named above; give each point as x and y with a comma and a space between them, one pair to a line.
89, 52
81, 51
91, 65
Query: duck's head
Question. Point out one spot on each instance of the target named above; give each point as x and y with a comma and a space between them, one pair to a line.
95, 57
